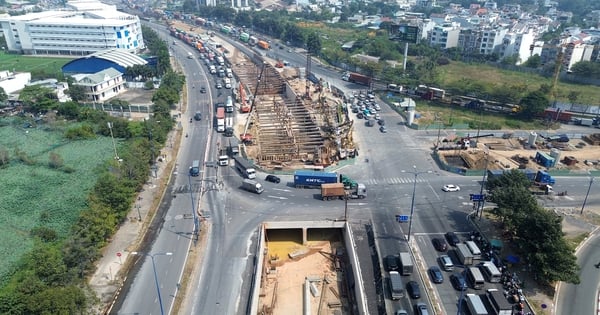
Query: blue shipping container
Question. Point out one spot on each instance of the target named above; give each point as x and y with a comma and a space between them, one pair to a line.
312, 178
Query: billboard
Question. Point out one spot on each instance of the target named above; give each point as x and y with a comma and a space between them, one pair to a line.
406, 33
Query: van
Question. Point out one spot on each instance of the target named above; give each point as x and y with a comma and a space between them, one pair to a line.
396, 286
474, 249
213, 69
195, 169
223, 160
229, 72
490, 271
475, 278
446, 263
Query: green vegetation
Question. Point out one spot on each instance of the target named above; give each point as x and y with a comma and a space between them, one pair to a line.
40, 67
536, 231
65, 195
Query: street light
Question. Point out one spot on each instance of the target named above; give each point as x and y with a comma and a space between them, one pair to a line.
195, 232
412, 204
162, 312
481, 202
586, 195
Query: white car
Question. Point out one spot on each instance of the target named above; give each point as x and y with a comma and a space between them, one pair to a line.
451, 187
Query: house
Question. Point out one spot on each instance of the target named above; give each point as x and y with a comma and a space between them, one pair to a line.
101, 85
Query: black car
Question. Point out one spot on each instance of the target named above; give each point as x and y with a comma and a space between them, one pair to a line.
202, 90
391, 262
381, 122
436, 274
458, 282
412, 287
452, 238
273, 179
439, 244
360, 115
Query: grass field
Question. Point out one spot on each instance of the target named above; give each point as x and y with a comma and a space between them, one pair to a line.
455, 71
36, 195
38, 66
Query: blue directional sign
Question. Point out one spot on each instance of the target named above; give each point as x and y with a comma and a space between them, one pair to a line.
402, 218
475, 197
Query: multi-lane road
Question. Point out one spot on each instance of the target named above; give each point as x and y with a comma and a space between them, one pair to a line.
234, 216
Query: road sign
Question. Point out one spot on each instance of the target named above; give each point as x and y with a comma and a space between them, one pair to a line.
402, 218
477, 197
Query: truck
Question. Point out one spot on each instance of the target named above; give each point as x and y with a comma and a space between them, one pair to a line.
263, 44
538, 178
585, 122
220, 119
406, 264
228, 126
195, 168
543, 178
396, 286
229, 104
356, 78
475, 305
464, 254
252, 186
223, 160
244, 167
499, 303
252, 41
244, 37
220, 60
313, 179
338, 191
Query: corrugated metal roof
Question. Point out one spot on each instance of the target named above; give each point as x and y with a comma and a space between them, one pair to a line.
119, 56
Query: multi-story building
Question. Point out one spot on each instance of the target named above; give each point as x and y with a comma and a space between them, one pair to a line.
87, 28
575, 52
445, 36
491, 39
517, 44
102, 85
469, 40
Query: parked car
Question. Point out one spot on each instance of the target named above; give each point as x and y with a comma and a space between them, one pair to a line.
451, 187
436, 274
439, 244
452, 238
273, 179
458, 282
391, 262
412, 287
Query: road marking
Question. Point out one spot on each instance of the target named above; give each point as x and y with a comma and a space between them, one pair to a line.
280, 189
569, 198
277, 197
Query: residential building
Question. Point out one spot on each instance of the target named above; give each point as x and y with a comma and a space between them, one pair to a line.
102, 85
576, 52
12, 82
445, 36
86, 28
491, 40
517, 44
469, 40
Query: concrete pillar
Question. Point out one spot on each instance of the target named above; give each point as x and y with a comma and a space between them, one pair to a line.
304, 235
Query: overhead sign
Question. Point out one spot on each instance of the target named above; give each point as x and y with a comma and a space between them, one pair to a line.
402, 218
475, 197
408, 33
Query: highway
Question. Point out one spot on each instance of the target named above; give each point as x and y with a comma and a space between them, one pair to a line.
234, 215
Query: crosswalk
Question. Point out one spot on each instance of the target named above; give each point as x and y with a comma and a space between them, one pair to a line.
391, 181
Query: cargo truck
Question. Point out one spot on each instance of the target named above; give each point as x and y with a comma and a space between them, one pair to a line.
220, 119
475, 305
252, 186
464, 254
396, 287
228, 126
338, 191
585, 122
244, 37
536, 177
244, 167
263, 44
406, 264
312, 179
356, 78
499, 303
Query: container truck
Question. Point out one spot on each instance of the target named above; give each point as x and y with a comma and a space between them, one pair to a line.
220, 119
263, 44
244, 167
310, 179
464, 254
356, 78
406, 264
228, 126
475, 305
338, 191
499, 303
252, 186
396, 286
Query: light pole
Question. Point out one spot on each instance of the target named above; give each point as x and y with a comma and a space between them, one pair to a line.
586, 195
195, 232
162, 312
412, 203
481, 202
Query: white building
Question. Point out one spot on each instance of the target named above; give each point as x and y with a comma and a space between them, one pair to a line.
517, 44
102, 85
445, 36
491, 39
89, 27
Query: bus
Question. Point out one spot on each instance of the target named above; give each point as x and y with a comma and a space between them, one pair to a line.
490, 271
475, 277
475, 305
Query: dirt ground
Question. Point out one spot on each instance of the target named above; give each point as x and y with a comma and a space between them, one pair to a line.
283, 288
511, 153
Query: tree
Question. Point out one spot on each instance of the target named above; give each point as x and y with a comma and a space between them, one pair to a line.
313, 43
534, 62
69, 110
38, 98
533, 104
3, 95
76, 92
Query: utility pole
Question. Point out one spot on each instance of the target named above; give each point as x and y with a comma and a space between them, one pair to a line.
586, 195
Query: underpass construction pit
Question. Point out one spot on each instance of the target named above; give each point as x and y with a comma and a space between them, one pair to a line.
305, 266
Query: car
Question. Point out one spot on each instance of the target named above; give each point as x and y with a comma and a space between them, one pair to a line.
401, 312
219, 85
360, 116
451, 187
377, 116
439, 244
355, 109
198, 116
377, 107
452, 238
458, 282
422, 309
273, 179
383, 129
436, 274
391, 262
412, 287
202, 90
381, 122
446, 262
